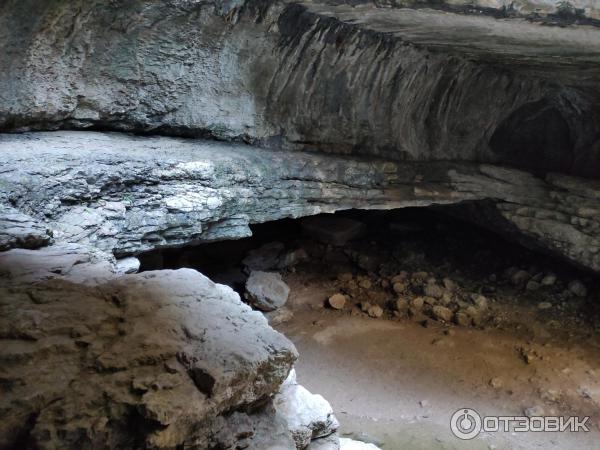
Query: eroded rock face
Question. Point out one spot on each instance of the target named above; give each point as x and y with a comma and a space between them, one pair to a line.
124, 195
152, 360
406, 84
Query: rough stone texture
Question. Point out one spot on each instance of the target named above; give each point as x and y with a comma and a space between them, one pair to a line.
407, 84
152, 360
266, 290
127, 194
309, 416
21, 231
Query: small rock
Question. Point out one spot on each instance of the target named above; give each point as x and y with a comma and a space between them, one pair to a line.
401, 277
433, 290
577, 288
399, 287
532, 285
548, 280
365, 284
461, 318
442, 313
480, 301
364, 306
544, 305
423, 403
337, 301
128, 265
375, 311
266, 290
417, 302
401, 304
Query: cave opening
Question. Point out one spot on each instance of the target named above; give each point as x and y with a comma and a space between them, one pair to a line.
418, 298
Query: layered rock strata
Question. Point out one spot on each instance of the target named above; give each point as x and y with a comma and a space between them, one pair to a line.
125, 195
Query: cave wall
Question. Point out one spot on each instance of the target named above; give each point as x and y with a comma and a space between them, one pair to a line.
301, 76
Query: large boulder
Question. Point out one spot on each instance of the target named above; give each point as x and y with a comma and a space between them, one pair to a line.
153, 360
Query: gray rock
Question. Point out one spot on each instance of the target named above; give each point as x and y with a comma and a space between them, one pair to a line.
337, 301
375, 311
266, 290
128, 265
442, 313
548, 280
18, 230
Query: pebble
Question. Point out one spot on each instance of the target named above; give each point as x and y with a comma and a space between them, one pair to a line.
375, 311
401, 304
461, 318
480, 300
337, 301
442, 313
364, 306
365, 284
549, 280
433, 290
399, 287
417, 302
532, 285
544, 305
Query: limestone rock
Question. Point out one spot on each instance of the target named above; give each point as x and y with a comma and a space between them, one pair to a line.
128, 265
337, 301
442, 313
18, 230
266, 290
309, 416
170, 350
73, 262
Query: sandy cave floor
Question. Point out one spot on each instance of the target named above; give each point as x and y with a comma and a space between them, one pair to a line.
396, 383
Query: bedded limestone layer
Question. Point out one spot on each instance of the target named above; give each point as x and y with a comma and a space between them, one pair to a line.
125, 195
406, 84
